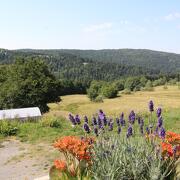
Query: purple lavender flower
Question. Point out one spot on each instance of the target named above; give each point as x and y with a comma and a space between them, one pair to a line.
147, 130
94, 121
129, 131
101, 114
122, 121
72, 119
151, 106
99, 123
109, 122
160, 122
119, 130
156, 130
86, 128
86, 119
77, 119
174, 149
96, 131
111, 126
162, 133
139, 120
118, 121
142, 122
141, 129
132, 117
105, 121
158, 112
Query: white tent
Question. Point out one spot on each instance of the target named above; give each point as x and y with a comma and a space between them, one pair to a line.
21, 113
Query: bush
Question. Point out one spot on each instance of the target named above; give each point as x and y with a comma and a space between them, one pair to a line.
119, 84
99, 99
149, 86
165, 86
132, 82
109, 91
8, 128
94, 90
51, 122
126, 91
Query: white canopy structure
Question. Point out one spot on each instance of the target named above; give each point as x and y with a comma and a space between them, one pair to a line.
21, 113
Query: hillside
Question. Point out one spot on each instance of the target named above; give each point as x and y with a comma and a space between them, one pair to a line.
87, 65
155, 60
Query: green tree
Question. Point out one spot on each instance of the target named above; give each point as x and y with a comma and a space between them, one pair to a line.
132, 83
27, 83
94, 90
109, 91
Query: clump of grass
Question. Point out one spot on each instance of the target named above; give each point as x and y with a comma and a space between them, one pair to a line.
8, 128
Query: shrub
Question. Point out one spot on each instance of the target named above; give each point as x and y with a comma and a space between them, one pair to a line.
8, 128
119, 84
149, 86
109, 91
51, 122
126, 91
120, 158
165, 86
132, 82
94, 90
99, 99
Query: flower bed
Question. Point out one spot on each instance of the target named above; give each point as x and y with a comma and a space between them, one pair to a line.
136, 148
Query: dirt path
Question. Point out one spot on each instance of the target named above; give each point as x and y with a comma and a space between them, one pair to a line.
22, 161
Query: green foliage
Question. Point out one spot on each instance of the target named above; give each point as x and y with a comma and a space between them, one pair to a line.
99, 89
160, 81
119, 84
126, 91
165, 86
149, 86
99, 99
94, 90
109, 91
8, 128
26, 84
52, 122
133, 83
120, 158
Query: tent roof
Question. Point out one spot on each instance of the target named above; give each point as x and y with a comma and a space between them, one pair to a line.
20, 113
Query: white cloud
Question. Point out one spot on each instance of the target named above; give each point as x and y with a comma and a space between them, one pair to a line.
172, 16
97, 27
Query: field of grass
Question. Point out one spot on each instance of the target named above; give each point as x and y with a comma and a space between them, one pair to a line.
54, 123
167, 99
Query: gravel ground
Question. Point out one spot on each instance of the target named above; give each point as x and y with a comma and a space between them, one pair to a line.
22, 161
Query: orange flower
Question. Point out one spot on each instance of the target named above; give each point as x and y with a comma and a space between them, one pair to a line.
61, 165
167, 148
79, 148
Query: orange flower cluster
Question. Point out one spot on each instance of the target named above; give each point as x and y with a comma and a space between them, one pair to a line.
171, 145
80, 148
61, 165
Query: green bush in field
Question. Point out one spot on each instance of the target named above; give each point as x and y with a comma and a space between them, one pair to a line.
109, 91
99, 99
51, 122
149, 86
126, 91
8, 128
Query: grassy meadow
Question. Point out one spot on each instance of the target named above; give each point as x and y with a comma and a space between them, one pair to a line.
54, 123
168, 99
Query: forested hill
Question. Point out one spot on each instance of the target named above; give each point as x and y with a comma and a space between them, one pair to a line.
88, 65
159, 61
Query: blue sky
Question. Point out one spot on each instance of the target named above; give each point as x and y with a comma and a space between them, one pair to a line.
90, 24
